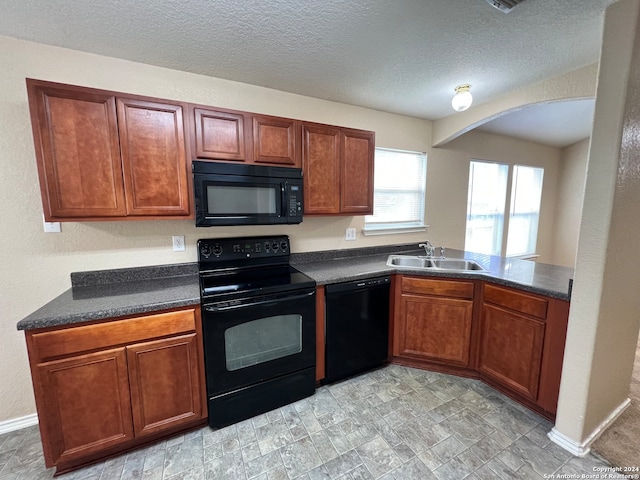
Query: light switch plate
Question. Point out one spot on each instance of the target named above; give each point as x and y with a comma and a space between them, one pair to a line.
350, 234
178, 243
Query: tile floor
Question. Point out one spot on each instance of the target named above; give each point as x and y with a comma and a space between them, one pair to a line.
391, 424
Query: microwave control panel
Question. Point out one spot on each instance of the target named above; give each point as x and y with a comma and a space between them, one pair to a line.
295, 200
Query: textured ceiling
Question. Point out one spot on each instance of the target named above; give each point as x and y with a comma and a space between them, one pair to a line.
401, 56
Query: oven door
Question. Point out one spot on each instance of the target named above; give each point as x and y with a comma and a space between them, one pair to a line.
257, 338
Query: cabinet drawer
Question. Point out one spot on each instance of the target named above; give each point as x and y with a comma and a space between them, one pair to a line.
520, 302
73, 340
428, 286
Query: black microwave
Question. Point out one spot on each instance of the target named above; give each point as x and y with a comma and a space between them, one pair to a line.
242, 194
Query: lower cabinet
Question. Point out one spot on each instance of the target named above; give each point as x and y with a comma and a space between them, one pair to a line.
108, 387
434, 320
511, 339
511, 349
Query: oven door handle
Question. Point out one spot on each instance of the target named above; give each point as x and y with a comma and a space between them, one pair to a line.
212, 308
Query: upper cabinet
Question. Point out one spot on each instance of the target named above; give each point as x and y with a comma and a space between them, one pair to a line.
338, 170
229, 135
321, 168
275, 141
154, 159
356, 189
101, 156
109, 156
221, 135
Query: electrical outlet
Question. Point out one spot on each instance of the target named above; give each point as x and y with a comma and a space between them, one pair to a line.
178, 243
351, 234
51, 227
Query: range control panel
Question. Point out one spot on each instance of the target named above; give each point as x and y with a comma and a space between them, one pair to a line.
244, 248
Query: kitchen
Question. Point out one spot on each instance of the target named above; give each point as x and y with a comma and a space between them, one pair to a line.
100, 245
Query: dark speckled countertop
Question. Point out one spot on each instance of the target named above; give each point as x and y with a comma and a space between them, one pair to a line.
115, 293
344, 265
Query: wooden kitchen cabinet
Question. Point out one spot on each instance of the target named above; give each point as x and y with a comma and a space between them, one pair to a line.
337, 166
102, 156
229, 135
154, 158
85, 404
433, 320
221, 135
107, 387
321, 169
356, 186
177, 359
511, 339
275, 141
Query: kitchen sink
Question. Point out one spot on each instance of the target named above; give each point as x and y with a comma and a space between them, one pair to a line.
455, 264
408, 261
437, 264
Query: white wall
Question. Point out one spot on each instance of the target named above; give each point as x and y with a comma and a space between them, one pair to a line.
571, 182
605, 305
449, 180
35, 267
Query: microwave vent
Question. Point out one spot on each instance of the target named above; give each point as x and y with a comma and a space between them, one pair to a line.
505, 6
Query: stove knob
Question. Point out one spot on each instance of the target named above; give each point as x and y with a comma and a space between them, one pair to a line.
284, 245
217, 250
205, 250
274, 246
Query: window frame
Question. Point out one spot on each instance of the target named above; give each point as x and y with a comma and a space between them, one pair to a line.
508, 206
381, 228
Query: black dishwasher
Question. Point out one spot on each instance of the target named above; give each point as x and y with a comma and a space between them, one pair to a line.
356, 327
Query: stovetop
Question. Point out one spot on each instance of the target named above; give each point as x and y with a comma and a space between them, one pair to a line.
244, 266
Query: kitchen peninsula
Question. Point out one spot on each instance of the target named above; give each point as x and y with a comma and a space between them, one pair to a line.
130, 327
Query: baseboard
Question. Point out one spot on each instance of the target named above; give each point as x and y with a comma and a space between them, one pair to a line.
583, 449
18, 423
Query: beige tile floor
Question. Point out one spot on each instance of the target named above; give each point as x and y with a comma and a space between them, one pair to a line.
394, 423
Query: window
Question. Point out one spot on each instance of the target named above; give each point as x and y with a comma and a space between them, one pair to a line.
399, 191
494, 226
524, 213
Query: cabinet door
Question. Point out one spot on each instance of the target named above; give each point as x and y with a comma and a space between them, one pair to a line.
154, 157
274, 141
321, 169
76, 139
220, 135
434, 328
165, 383
511, 349
357, 172
86, 407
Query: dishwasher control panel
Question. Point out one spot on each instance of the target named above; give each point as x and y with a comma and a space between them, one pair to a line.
373, 281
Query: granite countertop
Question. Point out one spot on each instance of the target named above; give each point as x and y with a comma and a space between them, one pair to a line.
114, 293
344, 265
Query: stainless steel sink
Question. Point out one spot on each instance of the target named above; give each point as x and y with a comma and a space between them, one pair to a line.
455, 264
438, 264
407, 261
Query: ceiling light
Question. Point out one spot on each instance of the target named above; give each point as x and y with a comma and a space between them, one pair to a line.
462, 99
505, 6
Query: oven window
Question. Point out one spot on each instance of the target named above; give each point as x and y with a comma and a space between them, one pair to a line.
226, 200
262, 340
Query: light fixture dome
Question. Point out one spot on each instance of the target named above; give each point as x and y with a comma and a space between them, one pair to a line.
463, 98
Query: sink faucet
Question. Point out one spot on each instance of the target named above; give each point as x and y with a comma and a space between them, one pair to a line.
429, 249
